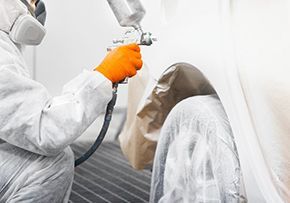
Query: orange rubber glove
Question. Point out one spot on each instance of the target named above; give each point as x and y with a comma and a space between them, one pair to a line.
121, 62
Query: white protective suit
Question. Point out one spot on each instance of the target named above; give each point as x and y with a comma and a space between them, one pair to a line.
36, 163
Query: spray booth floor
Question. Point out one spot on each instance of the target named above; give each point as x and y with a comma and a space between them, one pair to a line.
107, 177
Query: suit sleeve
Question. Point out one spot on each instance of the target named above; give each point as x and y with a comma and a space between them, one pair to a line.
33, 120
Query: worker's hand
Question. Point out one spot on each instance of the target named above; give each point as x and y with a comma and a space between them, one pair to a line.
121, 62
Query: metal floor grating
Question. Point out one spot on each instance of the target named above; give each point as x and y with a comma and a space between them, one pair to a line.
107, 177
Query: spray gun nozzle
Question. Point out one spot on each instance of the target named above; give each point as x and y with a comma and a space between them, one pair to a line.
147, 39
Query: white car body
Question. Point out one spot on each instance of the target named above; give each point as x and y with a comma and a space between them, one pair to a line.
235, 44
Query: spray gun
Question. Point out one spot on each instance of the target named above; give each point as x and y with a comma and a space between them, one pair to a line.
129, 13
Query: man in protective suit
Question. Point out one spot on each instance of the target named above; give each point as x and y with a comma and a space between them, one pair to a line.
36, 163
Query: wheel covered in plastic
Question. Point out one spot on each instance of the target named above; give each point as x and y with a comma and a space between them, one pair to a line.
196, 158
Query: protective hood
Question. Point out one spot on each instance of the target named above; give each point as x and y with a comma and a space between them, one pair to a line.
10, 10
